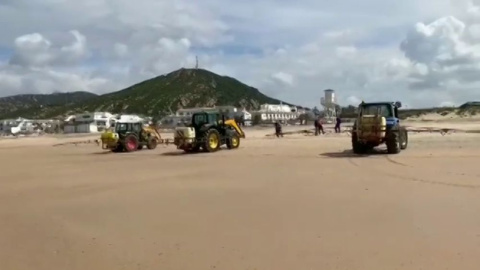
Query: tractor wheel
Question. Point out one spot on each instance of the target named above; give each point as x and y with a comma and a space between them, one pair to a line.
404, 140
211, 140
152, 143
358, 147
118, 148
393, 142
233, 142
131, 143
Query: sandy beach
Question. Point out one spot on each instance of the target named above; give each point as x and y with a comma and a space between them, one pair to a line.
295, 203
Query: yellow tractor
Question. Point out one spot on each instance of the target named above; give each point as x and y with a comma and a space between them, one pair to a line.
130, 136
208, 131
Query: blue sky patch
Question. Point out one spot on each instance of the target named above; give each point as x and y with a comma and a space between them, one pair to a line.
5, 53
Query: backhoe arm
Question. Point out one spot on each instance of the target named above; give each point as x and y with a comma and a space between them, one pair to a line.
152, 130
237, 128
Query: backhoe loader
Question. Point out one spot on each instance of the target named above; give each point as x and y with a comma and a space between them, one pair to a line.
208, 131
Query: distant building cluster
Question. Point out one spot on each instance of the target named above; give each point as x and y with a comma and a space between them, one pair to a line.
80, 123
280, 112
28, 126
89, 122
92, 122
98, 121
268, 113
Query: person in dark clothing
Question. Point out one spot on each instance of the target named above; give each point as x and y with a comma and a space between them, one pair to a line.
337, 125
318, 127
278, 130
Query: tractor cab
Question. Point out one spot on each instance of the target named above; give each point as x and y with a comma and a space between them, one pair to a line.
389, 110
124, 128
204, 118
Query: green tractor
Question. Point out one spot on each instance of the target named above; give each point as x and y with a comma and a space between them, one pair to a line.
208, 131
378, 123
130, 136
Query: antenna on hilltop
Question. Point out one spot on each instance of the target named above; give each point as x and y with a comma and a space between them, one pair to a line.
196, 62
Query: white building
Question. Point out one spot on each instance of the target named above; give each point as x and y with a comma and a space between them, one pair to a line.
7, 124
277, 112
89, 122
247, 116
129, 118
267, 112
244, 117
19, 125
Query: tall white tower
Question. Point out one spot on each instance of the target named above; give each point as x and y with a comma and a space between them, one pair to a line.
330, 106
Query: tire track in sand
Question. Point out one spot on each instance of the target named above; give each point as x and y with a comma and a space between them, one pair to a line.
408, 178
389, 159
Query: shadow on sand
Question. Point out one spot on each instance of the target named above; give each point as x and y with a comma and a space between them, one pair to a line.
106, 152
180, 153
350, 154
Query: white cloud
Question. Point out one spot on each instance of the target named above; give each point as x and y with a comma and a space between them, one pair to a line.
447, 104
346, 51
447, 58
354, 101
34, 50
335, 35
420, 52
120, 49
162, 56
284, 78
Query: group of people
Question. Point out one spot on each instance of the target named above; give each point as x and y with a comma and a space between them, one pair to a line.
318, 127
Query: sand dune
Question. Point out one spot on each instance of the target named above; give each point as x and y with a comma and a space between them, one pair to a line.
300, 202
446, 117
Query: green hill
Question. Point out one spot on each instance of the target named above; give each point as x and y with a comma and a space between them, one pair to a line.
163, 94
31, 105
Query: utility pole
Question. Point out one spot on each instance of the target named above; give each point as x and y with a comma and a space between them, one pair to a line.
196, 62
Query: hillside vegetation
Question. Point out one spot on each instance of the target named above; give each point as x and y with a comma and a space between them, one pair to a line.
165, 94
31, 105
156, 97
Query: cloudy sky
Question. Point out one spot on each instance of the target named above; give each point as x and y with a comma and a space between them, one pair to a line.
422, 52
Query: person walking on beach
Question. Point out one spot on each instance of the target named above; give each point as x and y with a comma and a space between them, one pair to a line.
337, 125
318, 127
278, 129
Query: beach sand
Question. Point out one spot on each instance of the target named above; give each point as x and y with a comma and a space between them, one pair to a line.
296, 203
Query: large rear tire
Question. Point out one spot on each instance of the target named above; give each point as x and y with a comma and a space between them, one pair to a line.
358, 147
152, 143
131, 143
119, 148
211, 140
393, 142
404, 140
233, 142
